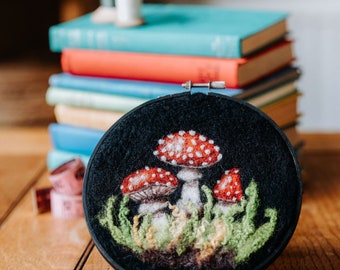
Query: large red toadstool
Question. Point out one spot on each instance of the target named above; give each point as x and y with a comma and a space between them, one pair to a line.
190, 150
149, 186
228, 189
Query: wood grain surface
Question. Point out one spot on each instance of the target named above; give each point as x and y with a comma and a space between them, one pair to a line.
23, 84
40, 241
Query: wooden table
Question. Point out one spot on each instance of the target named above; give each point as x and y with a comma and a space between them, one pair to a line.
40, 241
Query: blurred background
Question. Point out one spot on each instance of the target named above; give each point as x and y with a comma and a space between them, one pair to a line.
26, 61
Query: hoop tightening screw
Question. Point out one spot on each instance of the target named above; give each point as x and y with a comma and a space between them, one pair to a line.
210, 85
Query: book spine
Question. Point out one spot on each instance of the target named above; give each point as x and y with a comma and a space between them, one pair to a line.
86, 99
150, 67
283, 111
132, 88
211, 45
83, 117
74, 139
237, 73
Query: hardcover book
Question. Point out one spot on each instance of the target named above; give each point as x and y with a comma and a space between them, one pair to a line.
78, 140
236, 73
86, 99
150, 89
177, 29
56, 157
283, 111
85, 117
123, 87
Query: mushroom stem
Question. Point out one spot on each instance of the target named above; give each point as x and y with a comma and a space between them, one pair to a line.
223, 206
190, 194
152, 207
156, 208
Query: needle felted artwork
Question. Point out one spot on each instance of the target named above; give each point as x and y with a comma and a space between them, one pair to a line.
192, 181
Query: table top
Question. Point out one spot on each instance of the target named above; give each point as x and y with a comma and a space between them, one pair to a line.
40, 241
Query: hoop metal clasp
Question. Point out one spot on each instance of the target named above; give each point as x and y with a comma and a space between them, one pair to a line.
207, 86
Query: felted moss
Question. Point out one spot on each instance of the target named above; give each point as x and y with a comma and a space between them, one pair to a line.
208, 234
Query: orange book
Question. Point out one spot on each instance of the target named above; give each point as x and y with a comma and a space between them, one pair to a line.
236, 73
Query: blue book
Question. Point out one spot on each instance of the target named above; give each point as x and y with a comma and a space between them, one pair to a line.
177, 29
78, 140
130, 88
56, 157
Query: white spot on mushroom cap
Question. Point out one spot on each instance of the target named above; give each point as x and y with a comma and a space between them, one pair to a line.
202, 138
199, 154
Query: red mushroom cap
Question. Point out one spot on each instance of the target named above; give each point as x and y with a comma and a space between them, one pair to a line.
229, 188
188, 149
149, 184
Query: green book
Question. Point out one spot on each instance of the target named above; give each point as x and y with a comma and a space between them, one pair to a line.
177, 29
87, 99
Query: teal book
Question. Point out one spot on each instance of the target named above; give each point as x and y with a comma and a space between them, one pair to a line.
77, 140
177, 29
110, 99
124, 88
56, 158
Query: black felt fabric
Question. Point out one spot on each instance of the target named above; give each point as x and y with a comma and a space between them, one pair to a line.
247, 139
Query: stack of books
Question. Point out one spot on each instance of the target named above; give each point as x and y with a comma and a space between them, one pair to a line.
108, 70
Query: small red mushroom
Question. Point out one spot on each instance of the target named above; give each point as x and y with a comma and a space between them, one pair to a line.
228, 190
149, 186
192, 151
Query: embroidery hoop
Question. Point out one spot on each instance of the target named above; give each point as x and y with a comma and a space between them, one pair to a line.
248, 139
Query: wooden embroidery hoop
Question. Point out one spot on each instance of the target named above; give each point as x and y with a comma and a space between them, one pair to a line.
250, 140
